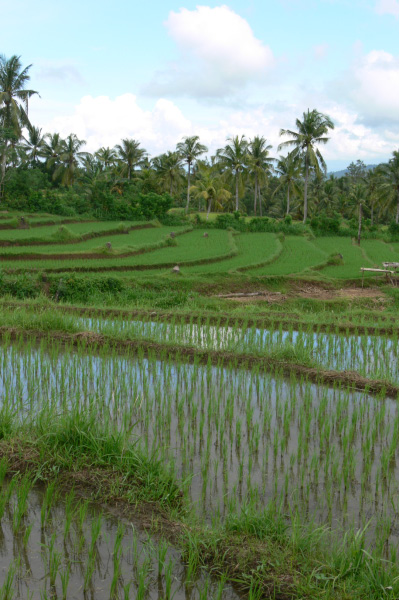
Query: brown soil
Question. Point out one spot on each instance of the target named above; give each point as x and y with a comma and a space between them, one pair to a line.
189, 354
308, 291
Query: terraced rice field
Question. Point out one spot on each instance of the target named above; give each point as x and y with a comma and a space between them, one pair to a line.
222, 252
190, 247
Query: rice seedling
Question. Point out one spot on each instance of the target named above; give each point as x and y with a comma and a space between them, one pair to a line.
104, 566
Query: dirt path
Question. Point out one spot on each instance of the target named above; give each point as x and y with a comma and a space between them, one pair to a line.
308, 291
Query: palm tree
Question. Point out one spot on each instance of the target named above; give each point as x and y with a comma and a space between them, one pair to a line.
260, 164
34, 144
168, 167
389, 181
358, 195
13, 116
210, 187
106, 156
130, 155
330, 194
190, 150
289, 171
311, 131
373, 190
52, 146
233, 159
69, 159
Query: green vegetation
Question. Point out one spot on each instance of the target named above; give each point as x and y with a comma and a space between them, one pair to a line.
241, 409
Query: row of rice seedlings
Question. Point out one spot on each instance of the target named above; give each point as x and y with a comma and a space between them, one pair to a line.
236, 436
93, 556
371, 356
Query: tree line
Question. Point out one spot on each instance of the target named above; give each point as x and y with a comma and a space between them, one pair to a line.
241, 177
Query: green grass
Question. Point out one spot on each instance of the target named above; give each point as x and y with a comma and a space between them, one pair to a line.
378, 252
45, 233
189, 247
298, 254
354, 257
252, 248
134, 240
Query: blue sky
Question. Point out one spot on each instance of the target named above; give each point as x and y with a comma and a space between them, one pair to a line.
159, 70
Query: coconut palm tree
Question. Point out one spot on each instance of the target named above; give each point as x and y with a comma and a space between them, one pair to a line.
130, 156
289, 171
311, 131
190, 150
106, 156
52, 146
33, 144
259, 164
374, 193
169, 170
358, 197
210, 188
69, 159
233, 159
13, 106
389, 182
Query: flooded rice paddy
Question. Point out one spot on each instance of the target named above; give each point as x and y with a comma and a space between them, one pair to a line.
67, 548
236, 437
371, 356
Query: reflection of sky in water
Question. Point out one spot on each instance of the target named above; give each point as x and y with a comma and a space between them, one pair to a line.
235, 434
369, 355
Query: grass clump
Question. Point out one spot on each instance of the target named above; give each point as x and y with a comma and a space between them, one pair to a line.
64, 234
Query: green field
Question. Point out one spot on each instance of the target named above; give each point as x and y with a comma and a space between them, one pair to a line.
252, 248
191, 246
198, 407
133, 240
46, 233
222, 252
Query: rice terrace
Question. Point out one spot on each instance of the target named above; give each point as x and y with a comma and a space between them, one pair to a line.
199, 376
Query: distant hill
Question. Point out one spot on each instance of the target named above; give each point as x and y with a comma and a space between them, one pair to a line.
342, 173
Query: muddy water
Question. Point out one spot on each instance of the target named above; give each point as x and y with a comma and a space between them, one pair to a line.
72, 550
236, 436
372, 356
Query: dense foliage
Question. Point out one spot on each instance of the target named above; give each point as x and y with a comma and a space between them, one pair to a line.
43, 172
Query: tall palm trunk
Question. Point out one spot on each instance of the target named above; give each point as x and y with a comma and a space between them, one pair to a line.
237, 191
359, 231
397, 209
3, 170
188, 186
305, 195
209, 207
256, 193
288, 200
260, 202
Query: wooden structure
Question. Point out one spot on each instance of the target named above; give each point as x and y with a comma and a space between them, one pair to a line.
387, 272
391, 265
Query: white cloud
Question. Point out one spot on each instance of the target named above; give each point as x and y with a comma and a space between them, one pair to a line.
219, 54
388, 7
103, 121
375, 87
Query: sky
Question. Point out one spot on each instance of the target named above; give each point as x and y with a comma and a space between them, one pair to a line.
160, 70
